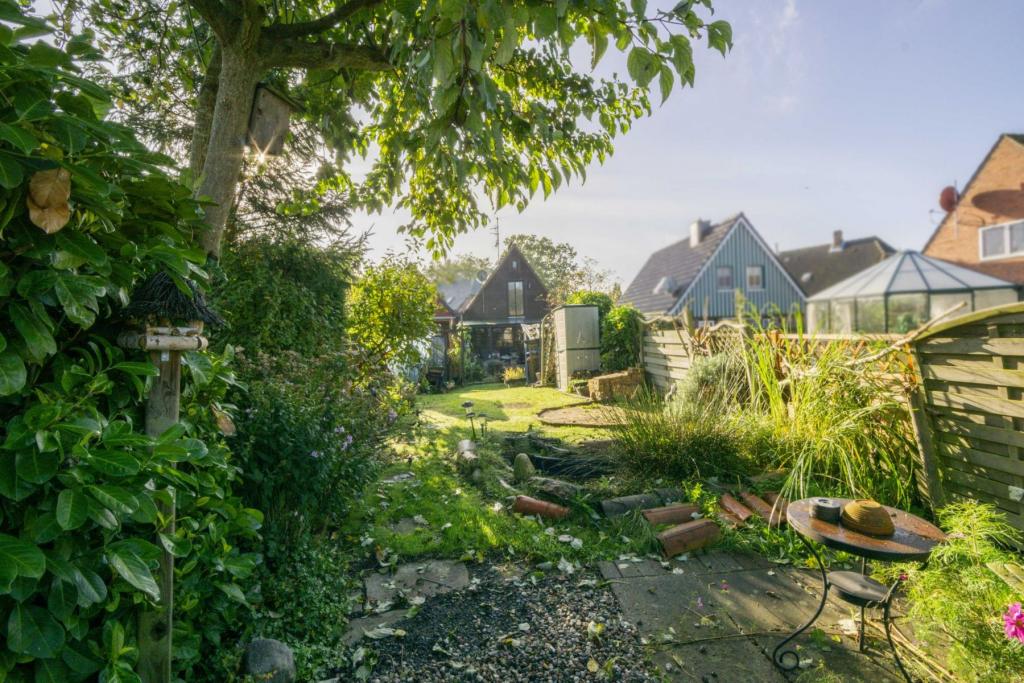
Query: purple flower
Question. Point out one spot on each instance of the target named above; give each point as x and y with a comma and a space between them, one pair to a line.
339, 429
1013, 622
315, 454
347, 442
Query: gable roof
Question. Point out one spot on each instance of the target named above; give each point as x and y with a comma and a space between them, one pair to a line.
819, 267
1015, 137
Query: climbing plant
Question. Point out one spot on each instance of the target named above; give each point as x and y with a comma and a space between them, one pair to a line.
86, 211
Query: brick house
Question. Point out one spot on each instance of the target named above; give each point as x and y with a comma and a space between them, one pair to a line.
985, 231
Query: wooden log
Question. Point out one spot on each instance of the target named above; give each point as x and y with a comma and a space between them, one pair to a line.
734, 507
671, 514
762, 508
689, 536
525, 505
778, 504
729, 519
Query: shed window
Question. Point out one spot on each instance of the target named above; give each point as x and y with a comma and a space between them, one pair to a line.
1000, 241
723, 275
755, 277
515, 298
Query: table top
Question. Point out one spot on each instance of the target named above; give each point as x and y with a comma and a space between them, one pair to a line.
912, 542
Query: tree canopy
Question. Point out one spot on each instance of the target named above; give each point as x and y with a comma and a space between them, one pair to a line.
461, 106
559, 266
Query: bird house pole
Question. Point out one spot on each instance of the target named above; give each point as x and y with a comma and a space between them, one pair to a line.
164, 345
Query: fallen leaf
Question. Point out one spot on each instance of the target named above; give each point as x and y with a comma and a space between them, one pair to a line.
593, 666
50, 219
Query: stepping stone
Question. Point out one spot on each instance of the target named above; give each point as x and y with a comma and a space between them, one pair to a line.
722, 661
406, 525
396, 478
358, 627
411, 580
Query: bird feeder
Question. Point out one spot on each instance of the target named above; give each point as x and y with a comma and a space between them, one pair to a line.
268, 122
165, 322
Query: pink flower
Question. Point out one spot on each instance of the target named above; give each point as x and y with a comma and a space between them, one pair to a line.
1013, 622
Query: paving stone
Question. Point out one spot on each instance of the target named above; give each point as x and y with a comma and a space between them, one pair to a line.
849, 665
609, 570
642, 568
719, 561
427, 579
396, 478
733, 660
357, 627
654, 604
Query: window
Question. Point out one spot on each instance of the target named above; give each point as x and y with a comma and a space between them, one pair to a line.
755, 277
1001, 241
515, 264
515, 298
723, 275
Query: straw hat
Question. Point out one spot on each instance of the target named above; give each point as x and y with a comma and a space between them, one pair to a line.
869, 517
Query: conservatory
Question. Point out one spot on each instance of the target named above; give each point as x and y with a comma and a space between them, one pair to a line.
901, 293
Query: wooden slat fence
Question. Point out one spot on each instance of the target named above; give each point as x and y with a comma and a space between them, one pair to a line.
971, 420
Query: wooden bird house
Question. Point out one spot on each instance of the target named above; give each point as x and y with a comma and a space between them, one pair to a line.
268, 122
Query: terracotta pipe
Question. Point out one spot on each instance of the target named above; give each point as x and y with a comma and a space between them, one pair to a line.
763, 509
689, 536
671, 514
779, 504
733, 506
531, 506
729, 519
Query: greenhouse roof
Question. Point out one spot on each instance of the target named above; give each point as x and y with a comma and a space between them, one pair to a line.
906, 272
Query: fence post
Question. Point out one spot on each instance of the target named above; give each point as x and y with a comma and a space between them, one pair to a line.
931, 483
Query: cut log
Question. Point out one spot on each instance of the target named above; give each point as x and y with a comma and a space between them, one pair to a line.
689, 536
614, 507
779, 504
729, 519
671, 514
736, 508
531, 506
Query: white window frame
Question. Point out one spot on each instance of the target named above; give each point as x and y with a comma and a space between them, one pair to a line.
516, 299
1005, 227
760, 273
732, 279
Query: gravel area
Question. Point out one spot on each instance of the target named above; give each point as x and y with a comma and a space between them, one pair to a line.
561, 628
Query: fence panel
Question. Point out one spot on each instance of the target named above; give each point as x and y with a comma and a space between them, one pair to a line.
971, 374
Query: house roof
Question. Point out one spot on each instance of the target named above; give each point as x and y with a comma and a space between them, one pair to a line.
458, 294
819, 267
680, 264
1016, 137
909, 272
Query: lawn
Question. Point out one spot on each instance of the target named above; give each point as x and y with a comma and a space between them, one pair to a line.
507, 410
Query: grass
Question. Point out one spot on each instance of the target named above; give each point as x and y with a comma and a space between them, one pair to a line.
507, 410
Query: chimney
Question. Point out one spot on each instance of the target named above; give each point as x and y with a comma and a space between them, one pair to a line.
697, 230
837, 240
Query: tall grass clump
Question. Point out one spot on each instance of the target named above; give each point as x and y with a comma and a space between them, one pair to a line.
837, 427
957, 600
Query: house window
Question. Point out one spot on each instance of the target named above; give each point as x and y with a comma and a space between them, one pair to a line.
515, 264
723, 275
755, 277
1001, 241
515, 298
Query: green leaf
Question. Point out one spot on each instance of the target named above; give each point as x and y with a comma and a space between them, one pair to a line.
20, 558
50, 671
91, 588
720, 36
114, 463
115, 498
179, 547
234, 592
666, 80
36, 467
82, 246
72, 509
12, 373
62, 599
34, 331
32, 631
78, 297
642, 65
598, 44
11, 174
43, 54
132, 569
17, 137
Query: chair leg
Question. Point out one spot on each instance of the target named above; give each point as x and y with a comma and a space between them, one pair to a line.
860, 642
892, 645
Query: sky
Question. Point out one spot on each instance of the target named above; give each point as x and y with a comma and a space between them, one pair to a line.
827, 115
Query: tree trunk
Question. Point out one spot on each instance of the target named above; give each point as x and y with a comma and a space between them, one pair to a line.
239, 74
205, 105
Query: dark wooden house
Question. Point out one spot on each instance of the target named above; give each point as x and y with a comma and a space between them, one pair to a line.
496, 313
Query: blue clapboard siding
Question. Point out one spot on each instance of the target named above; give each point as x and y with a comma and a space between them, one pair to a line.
740, 249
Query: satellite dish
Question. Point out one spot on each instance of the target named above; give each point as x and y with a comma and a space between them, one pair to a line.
948, 198
481, 275
1008, 203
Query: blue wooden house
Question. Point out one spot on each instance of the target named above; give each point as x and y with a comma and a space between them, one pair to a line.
704, 272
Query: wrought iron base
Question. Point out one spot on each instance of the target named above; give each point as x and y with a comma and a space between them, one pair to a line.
787, 658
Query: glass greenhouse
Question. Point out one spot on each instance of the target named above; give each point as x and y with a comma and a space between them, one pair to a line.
901, 293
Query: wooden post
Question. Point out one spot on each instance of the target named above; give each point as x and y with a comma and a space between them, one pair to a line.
162, 411
916, 402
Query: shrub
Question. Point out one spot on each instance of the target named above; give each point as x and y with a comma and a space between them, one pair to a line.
308, 434
513, 374
958, 602
285, 295
79, 483
678, 440
621, 331
719, 379
603, 302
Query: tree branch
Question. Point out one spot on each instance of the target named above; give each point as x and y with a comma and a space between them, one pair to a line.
222, 20
330, 20
320, 54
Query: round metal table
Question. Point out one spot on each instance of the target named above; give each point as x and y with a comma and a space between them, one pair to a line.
912, 541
